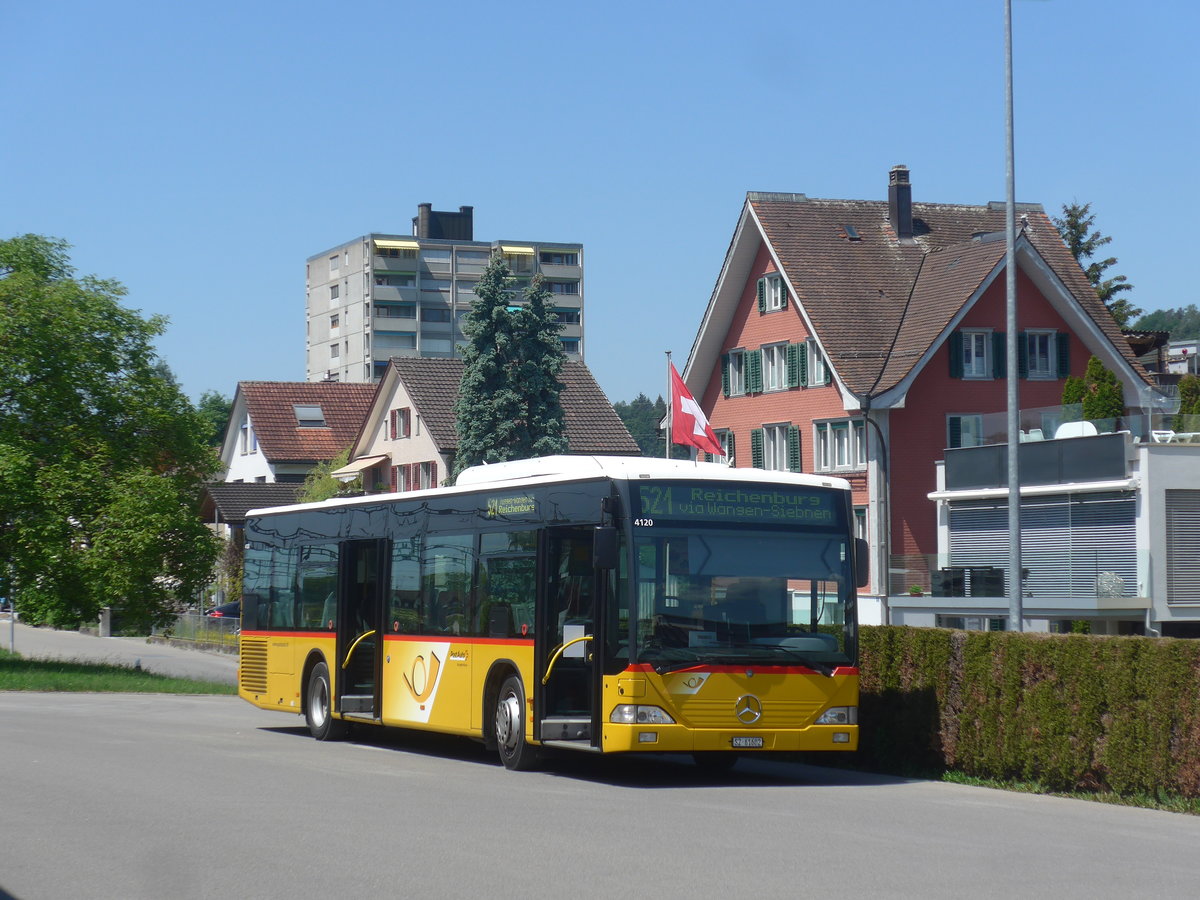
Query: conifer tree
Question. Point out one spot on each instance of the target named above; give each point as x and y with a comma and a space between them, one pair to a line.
508, 404
1075, 226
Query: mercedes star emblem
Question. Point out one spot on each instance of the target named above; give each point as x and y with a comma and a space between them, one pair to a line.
748, 709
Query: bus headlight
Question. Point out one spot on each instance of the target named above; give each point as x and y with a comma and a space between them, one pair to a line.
633, 714
839, 715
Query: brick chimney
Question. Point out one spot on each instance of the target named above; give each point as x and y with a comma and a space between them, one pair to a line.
900, 202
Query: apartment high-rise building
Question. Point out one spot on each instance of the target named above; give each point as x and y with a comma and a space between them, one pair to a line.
385, 295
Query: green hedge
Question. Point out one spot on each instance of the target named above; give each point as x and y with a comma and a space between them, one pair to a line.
1071, 712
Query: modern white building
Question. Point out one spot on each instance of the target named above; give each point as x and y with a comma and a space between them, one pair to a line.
380, 296
1110, 535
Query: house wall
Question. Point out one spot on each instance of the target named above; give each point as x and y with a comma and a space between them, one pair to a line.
248, 467
418, 447
919, 429
799, 406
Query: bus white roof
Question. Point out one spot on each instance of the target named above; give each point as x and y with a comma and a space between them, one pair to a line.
572, 468
550, 469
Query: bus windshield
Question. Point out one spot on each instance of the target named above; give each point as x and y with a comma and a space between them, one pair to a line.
743, 596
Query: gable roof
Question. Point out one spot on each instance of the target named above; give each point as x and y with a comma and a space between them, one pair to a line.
271, 407
592, 425
228, 502
879, 306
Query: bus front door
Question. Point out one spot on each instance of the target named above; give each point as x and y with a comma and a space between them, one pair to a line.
568, 658
363, 576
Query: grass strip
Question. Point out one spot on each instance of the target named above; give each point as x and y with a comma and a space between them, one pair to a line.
20, 674
1166, 803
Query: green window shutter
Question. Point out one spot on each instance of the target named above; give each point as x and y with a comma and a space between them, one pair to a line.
1064, 354
762, 295
956, 354
725, 374
828, 373
955, 424
756, 448
729, 446
802, 368
1022, 355
999, 355
793, 449
782, 293
708, 457
793, 364
754, 383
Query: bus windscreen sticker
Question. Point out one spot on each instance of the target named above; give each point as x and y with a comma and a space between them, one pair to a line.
735, 504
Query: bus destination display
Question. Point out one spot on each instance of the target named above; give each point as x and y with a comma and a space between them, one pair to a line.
733, 503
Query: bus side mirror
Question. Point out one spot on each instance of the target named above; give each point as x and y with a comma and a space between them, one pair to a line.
862, 562
604, 547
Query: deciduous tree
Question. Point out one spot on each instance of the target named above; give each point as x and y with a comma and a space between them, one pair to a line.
101, 455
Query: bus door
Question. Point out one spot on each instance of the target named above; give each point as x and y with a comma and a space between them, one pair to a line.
360, 604
568, 645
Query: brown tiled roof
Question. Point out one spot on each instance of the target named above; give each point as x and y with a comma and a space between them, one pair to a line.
270, 405
229, 501
877, 303
593, 426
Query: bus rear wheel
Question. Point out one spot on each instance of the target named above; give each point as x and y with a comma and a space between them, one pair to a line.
318, 706
515, 752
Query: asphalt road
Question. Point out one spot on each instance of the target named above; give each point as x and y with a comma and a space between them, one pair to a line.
162, 659
155, 796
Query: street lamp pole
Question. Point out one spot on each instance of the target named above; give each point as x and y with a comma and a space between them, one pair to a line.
1015, 585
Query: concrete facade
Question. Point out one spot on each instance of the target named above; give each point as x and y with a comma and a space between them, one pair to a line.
384, 295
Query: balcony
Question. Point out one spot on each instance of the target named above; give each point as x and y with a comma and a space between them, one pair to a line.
1059, 583
567, 273
394, 264
386, 293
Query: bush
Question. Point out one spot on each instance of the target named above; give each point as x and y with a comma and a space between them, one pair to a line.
1070, 712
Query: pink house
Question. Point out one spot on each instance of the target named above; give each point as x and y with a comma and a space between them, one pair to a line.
862, 338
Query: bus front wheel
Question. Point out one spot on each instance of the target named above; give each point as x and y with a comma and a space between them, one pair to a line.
515, 751
319, 705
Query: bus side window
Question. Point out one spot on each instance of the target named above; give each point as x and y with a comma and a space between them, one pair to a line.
404, 597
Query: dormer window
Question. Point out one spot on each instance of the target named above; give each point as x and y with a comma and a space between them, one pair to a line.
309, 416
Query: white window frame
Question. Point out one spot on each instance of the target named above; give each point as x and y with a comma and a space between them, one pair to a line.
840, 445
335, 262
977, 354
816, 364
775, 293
426, 476
335, 350
723, 438
774, 365
775, 447
1043, 372
737, 373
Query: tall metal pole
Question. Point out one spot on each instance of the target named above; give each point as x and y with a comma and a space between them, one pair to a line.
1015, 581
670, 406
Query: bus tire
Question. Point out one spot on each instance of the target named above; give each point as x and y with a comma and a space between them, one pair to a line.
318, 706
515, 752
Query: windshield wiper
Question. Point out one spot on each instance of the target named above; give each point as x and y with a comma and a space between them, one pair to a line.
821, 668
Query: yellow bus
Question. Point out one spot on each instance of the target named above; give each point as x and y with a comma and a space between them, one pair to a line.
594, 604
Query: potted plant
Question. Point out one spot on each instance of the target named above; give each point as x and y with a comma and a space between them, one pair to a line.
915, 590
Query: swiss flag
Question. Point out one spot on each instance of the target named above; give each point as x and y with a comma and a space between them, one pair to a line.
688, 422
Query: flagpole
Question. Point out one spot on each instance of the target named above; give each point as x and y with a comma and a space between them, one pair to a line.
670, 406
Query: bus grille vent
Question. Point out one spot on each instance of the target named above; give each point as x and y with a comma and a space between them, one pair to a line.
254, 666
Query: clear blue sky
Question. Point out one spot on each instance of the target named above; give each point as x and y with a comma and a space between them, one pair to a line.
199, 153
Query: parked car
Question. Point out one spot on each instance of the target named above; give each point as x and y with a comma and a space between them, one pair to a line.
231, 610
